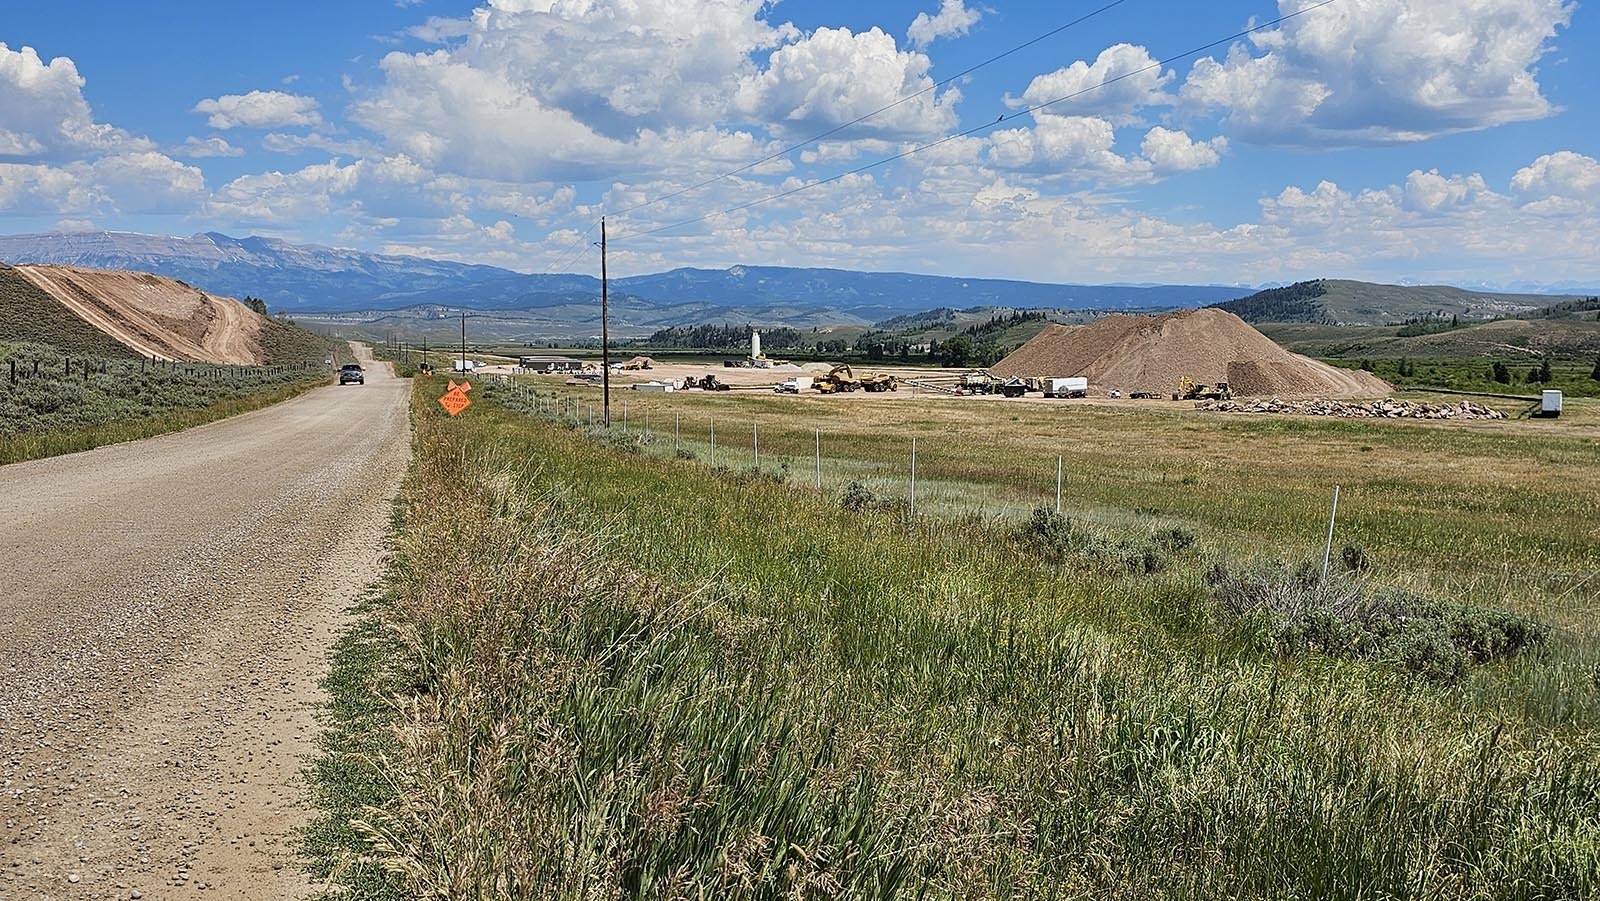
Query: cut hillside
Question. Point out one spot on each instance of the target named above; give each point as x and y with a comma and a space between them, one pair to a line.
31, 316
1152, 353
156, 316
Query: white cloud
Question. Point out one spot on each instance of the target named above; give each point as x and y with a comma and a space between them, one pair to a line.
136, 183
206, 148
1078, 147
278, 142
1132, 80
1383, 71
953, 19
43, 114
1174, 151
834, 76
1563, 174
260, 109
1431, 192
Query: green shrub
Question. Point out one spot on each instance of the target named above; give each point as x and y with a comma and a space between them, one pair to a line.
857, 497
1295, 610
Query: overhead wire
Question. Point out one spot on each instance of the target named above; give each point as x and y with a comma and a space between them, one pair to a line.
978, 128
880, 110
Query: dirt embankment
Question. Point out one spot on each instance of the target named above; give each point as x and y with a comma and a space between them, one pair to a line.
1151, 353
156, 316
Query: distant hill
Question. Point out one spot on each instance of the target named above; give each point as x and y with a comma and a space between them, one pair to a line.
1340, 302
296, 279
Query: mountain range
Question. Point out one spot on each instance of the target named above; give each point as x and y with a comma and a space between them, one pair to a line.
305, 280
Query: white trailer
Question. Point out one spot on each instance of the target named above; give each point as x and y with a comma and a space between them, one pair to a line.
1069, 387
1550, 404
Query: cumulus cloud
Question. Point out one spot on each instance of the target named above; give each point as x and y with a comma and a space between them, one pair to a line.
43, 114
1075, 146
140, 182
1132, 80
1174, 151
260, 109
1382, 71
206, 148
834, 76
953, 19
1563, 174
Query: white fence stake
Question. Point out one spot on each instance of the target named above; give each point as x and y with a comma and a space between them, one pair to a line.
676, 430
755, 445
913, 477
819, 459
713, 458
1327, 552
1059, 459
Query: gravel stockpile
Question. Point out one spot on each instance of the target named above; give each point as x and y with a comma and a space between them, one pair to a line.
1152, 353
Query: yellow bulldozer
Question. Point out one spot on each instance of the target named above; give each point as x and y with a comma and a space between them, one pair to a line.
1189, 389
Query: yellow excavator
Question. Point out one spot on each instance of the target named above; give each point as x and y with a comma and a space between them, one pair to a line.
1189, 389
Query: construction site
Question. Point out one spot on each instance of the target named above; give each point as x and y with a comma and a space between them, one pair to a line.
1191, 355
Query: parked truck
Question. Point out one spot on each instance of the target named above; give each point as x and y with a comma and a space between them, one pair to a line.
1076, 386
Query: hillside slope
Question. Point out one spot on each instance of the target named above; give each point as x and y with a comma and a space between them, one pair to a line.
1343, 302
160, 317
30, 315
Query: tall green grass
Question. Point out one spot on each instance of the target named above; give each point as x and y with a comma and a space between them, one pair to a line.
638, 677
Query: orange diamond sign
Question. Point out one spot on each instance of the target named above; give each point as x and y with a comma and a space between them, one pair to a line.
454, 402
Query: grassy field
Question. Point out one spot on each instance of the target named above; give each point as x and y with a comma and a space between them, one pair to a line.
619, 672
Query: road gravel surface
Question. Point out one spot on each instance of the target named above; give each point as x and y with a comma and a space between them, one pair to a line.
166, 611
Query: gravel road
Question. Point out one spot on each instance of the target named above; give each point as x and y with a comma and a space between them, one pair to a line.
166, 607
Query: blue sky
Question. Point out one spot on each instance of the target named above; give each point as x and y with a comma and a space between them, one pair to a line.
1393, 140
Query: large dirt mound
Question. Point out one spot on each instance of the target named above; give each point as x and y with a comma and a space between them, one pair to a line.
1151, 353
156, 316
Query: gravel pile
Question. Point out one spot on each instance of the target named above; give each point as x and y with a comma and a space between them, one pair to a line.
1152, 353
1381, 409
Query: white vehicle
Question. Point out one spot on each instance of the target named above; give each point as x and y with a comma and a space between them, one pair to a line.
793, 386
1071, 387
464, 365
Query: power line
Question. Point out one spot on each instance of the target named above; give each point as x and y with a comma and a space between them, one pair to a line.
883, 109
980, 128
574, 250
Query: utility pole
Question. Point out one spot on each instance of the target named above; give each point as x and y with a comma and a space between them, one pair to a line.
605, 326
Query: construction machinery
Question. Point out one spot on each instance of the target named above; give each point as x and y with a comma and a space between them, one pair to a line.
1015, 387
1189, 389
708, 383
878, 382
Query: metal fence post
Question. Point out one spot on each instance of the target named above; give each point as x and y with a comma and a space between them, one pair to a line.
1059, 460
913, 477
755, 445
819, 459
677, 430
713, 457
1327, 551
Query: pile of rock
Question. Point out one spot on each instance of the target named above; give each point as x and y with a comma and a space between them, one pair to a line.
1378, 409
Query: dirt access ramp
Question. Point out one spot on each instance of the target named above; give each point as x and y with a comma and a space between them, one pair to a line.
1151, 353
156, 316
